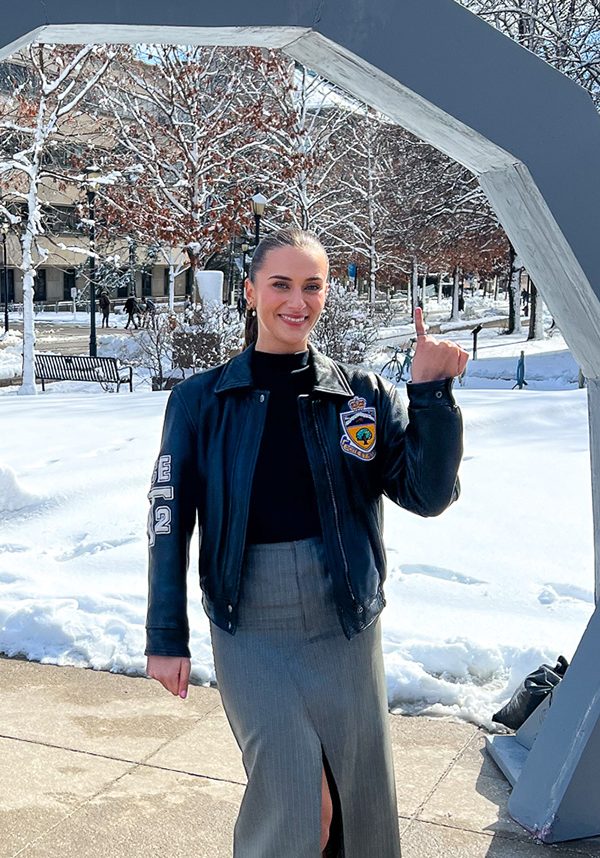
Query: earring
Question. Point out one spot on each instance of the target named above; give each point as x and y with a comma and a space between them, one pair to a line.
254, 312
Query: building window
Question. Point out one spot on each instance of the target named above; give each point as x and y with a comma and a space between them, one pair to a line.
62, 220
39, 285
166, 283
146, 283
68, 283
10, 280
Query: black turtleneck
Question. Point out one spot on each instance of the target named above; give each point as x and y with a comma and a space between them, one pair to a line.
283, 503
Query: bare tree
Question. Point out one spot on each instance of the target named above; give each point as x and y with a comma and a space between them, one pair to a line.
189, 122
299, 160
62, 77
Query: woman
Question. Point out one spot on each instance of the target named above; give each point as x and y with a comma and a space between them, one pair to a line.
283, 456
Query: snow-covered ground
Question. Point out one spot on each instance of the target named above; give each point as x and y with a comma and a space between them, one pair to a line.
478, 597
11, 354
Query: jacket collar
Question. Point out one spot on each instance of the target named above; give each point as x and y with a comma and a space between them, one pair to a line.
237, 373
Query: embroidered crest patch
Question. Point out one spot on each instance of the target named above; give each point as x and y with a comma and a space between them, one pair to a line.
360, 429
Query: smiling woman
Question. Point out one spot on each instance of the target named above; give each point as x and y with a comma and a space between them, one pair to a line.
283, 454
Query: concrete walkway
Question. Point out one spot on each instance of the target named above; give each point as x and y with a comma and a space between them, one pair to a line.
95, 764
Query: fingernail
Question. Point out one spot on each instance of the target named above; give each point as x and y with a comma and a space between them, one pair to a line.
184, 693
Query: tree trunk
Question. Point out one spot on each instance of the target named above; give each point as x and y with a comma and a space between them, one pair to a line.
439, 289
171, 287
536, 316
372, 273
454, 316
31, 230
28, 383
414, 292
171, 262
514, 294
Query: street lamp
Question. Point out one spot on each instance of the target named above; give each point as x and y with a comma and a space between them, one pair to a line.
131, 253
245, 249
132, 175
258, 207
4, 228
92, 174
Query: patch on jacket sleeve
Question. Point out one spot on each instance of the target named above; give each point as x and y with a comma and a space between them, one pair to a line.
360, 429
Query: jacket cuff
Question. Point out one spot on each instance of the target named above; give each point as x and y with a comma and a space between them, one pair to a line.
423, 394
166, 642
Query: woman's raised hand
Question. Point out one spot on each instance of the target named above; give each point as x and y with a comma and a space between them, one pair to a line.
435, 359
173, 672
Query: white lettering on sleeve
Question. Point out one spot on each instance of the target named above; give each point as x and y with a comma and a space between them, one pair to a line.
159, 517
164, 469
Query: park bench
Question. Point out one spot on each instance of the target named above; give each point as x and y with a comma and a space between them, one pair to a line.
104, 370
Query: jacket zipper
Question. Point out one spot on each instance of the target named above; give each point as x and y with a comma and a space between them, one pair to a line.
263, 397
335, 509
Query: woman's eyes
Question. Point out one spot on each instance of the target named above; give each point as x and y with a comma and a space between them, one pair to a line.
310, 287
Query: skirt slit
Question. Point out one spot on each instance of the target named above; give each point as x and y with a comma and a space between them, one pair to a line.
335, 844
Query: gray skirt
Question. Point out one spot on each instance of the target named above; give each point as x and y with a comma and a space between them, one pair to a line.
300, 696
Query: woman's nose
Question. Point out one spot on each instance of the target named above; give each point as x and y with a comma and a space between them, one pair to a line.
296, 300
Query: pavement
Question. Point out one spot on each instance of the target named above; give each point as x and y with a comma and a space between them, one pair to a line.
96, 764
63, 340
67, 339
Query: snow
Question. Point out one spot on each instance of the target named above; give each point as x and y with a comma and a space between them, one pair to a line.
11, 354
12, 496
476, 598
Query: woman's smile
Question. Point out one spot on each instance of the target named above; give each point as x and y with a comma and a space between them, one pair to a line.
293, 320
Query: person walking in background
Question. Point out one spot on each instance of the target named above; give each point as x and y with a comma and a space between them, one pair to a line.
149, 309
241, 306
104, 302
282, 456
132, 308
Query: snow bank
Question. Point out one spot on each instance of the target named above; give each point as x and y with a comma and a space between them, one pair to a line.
11, 354
126, 349
476, 598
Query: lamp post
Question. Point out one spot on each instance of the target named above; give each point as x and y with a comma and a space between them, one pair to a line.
131, 281
92, 174
132, 176
245, 249
5, 227
258, 207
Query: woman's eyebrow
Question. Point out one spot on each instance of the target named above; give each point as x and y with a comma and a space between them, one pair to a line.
283, 277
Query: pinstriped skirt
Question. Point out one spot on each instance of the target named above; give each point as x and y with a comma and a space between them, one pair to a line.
300, 696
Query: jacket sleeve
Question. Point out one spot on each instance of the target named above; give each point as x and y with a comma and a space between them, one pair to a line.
421, 448
171, 522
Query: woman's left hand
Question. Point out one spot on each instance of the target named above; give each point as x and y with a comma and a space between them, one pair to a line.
435, 359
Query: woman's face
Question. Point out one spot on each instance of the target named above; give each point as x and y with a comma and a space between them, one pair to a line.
288, 293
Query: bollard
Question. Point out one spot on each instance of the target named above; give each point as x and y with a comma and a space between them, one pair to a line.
475, 331
520, 373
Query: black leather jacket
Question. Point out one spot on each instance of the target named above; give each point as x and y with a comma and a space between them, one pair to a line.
362, 443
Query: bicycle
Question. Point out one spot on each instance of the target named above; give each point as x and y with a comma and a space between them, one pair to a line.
398, 369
